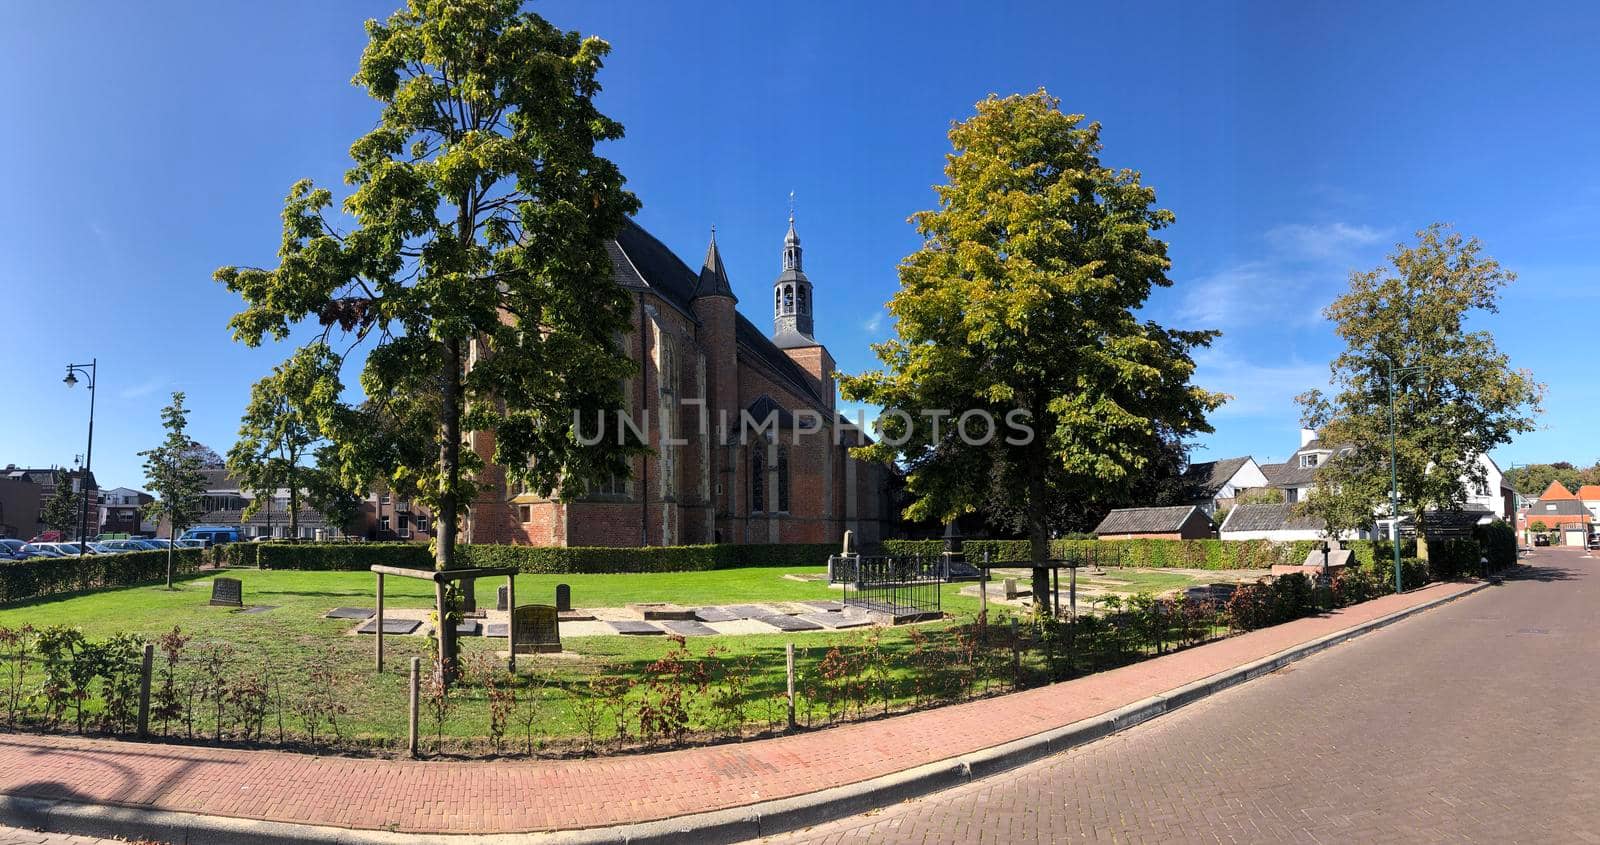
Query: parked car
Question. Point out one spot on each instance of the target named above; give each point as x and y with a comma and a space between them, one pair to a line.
106, 549
41, 550
1541, 540
12, 547
190, 544
68, 549
213, 535
160, 544
120, 546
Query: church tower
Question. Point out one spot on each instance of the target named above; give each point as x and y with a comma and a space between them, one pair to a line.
791, 297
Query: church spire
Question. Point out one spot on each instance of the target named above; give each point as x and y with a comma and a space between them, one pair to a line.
791, 295
713, 276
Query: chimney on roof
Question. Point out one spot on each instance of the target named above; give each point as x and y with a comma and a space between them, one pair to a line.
1306, 436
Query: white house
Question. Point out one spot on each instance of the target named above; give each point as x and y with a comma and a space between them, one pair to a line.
1217, 483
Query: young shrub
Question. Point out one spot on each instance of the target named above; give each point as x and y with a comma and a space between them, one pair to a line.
121, 660
500, 693
667, 689
59, 648
436, 695
17, 644
248, 696
214, 676
166, 699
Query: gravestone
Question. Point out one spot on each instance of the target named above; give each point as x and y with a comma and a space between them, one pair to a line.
1012, 590
390, 626
563, 598
496, 629
502, 598
790, 623
260, 608
634, 627
689, 628
536, 629
714, 614
349, 613
227, 592
849, 547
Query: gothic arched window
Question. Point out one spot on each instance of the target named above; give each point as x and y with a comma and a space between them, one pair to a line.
758, 479
800, 300
777, 300
783, 480
788, 299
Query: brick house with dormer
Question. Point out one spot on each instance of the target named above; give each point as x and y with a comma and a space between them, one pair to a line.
704, 367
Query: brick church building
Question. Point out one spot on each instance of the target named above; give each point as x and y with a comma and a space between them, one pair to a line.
702, 362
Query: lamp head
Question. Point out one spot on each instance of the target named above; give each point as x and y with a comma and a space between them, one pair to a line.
71, 379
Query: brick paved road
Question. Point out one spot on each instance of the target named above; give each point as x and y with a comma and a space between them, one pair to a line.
1478, 721
18, 836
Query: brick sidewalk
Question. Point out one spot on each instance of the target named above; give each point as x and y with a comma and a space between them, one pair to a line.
514, 797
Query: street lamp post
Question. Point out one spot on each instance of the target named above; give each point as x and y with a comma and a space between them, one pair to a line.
90, 369
1394, 473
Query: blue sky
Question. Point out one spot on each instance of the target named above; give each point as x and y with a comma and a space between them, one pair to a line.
151, 143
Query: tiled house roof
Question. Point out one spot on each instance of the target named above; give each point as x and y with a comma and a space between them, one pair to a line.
1272, 517
1209, 477
1167, 520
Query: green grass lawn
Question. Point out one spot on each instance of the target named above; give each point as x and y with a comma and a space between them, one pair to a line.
287, 641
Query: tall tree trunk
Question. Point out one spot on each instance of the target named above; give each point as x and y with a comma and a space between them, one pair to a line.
1039, 535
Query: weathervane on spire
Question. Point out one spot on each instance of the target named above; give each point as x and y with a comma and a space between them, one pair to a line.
791, 207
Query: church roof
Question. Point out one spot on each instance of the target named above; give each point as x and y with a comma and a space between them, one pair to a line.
641, 262
751, 339
713, 276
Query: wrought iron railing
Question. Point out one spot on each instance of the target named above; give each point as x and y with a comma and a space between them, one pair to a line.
895, 585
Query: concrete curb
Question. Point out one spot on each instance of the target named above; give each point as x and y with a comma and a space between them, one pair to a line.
721, 826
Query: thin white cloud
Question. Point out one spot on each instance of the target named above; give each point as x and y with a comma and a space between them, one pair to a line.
139, 390
1261, 385
875, 322
1322, 241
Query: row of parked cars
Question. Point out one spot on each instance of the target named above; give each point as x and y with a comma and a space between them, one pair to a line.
19, 550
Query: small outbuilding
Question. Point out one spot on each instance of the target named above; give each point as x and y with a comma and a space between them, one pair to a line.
1276, 522
1179, 522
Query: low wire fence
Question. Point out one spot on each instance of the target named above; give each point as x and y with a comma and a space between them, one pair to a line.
900, 586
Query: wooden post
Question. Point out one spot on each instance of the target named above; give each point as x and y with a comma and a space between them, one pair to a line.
380, 623
446, 633
1072, 591
983, 589
1055, 591
1016, 656
789, 654
411, 723
144, 688
511, 630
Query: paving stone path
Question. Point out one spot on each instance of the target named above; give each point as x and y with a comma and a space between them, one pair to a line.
511, 796
1473, 722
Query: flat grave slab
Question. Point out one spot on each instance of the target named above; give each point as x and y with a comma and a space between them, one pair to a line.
496, 629
390, 626
790, 623
829, 606
688, 628
349, 613
749, 611
834, 621
260, 608
656, 611
715, 614
467, 628
631, 627
574, 616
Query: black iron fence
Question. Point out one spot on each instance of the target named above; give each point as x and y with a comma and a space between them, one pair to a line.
896, 585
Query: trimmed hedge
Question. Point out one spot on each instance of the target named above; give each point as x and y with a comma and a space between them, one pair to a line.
340, 557
43, 576
597, 560
555, 560
1184, 554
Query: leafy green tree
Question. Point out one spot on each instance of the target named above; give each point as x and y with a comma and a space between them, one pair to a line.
1022, 302
1341, 501
1260, 496
173, 474
327, 492
472, 272
1462, 401
61, 509
281, 427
